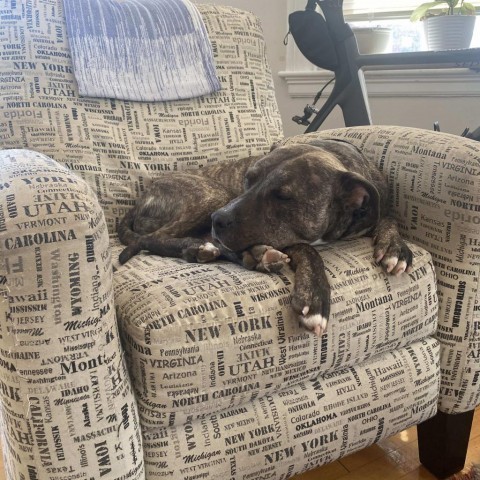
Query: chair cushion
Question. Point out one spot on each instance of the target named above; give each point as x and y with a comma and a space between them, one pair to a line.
296, 429
204, 337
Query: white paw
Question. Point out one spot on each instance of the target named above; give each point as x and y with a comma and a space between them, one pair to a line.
207, 252
210, 247
389, 263
395, 266
315, 323
400, 268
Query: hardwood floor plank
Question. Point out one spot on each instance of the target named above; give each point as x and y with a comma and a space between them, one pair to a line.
390, 459
362, 457
419, 473
389, 467
332, 471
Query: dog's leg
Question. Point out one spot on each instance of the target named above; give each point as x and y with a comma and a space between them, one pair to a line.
311, 294
172, 215
390, 249
264, 259
189, 248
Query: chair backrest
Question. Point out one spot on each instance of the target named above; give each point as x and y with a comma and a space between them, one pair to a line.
119, 146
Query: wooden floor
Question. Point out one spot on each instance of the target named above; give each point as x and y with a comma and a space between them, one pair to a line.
395, 458
391, 459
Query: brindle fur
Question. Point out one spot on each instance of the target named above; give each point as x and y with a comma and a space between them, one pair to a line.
293, 197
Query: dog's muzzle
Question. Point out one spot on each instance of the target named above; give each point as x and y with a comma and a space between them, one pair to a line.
233, 228
221, 221
222, 224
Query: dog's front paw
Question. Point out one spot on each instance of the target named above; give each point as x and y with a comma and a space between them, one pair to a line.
264, 259
200, 252
311, 301
207, 253
316, 323
394, 256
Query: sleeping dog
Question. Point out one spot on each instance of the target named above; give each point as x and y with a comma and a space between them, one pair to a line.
266, 211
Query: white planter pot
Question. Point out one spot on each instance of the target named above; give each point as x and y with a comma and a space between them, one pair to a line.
448, 32
373, 39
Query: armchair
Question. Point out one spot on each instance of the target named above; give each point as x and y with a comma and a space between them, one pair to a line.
164, 369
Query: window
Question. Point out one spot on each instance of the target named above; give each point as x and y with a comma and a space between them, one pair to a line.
303, 78
407, 36
355, 10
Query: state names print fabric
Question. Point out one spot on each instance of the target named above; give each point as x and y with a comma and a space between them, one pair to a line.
292, 430
203, 338
434, 181
224, 382
119, 146
67, 407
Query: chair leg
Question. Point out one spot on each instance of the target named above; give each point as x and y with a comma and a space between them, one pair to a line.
443, 442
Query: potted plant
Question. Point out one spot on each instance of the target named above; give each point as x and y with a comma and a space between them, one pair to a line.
373, 39
446, 28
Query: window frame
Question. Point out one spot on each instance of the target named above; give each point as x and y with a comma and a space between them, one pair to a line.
304, 79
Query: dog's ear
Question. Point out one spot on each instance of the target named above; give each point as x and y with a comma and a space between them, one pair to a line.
356, 192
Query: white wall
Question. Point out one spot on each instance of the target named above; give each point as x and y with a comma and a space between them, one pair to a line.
453, 112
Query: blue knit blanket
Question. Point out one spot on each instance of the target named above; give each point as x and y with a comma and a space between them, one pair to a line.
146, 50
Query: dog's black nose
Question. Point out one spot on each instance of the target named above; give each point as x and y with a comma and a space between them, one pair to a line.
221, 220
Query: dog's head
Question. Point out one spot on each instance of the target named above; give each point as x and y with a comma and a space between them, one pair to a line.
297, 194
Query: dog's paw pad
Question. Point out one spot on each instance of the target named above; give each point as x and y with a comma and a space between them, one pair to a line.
273, 260
207, 252
389, 263
264, 259
315, 323
272, 256
400, 268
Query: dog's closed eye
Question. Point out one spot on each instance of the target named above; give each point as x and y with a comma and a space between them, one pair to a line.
282, 193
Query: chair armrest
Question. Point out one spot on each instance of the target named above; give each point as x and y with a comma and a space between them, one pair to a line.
434, 183
65, 394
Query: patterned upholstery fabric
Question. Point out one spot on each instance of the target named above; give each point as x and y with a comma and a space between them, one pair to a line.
67, 404
64, 384
202, 338
68, 408
435, 197
118, 146
295, 429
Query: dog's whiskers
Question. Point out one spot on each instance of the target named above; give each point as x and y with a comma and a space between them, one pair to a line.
217, 241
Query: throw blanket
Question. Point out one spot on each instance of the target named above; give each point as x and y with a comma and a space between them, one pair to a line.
145, 50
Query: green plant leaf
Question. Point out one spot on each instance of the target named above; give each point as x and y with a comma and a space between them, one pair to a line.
421, 11
467, 9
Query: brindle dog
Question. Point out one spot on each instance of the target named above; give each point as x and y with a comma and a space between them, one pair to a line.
265, 211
